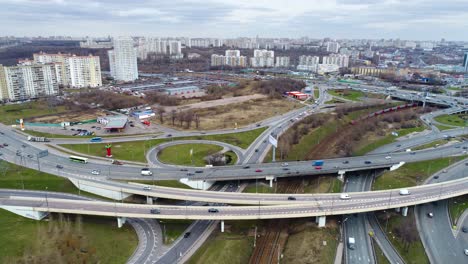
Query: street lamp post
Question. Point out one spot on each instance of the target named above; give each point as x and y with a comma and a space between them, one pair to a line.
47, 201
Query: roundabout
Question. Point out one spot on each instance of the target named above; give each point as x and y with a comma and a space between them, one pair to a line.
193, 153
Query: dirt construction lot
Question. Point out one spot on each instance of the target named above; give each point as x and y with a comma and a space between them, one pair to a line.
71, 116
220, 102
226, 116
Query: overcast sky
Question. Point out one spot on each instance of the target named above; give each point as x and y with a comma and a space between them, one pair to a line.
405, 19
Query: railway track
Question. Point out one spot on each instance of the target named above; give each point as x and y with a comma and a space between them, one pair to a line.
275, 234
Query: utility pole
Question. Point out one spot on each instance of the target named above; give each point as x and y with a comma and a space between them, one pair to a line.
255, 237
47, 201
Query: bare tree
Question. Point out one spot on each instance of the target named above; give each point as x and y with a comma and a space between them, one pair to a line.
161, 112
173, 116
197, 121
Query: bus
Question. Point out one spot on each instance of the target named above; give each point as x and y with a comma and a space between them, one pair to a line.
78, 159
96, 139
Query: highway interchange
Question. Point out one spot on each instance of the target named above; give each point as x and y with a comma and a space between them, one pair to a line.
275, 126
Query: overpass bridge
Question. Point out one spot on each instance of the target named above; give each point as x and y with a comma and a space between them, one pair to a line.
331, 205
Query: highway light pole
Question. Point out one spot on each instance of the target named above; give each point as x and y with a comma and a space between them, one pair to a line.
38, 163
47, 201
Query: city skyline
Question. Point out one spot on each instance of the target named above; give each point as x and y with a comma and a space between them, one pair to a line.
413, 19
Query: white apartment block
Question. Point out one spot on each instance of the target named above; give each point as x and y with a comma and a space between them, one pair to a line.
27, 81
72, 70
205, 42
123, 60
282, 62
337, 59
84, 71
308, 63
158, 46
233, 61
333, 46
233, 53
263, 58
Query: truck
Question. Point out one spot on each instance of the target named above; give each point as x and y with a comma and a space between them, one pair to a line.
38, 139
351, 242
317, 163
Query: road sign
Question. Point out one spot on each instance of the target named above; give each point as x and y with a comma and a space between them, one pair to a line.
273, 141
43, 153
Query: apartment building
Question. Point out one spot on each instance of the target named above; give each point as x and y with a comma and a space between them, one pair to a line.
282, 62
263, 58
72, 70
123, 60
233, 61
337, 59
308, 63
23, 82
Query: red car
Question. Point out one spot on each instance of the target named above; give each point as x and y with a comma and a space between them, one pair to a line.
258, 170
318, 167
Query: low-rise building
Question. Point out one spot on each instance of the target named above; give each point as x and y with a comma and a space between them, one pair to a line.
186, 91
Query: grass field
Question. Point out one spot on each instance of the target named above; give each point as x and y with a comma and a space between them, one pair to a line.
457, 206
16, 177
259, 187
232, 247
307, 142
172, 229
443, 127
64, 239
316, 93
180, 154
170, 183
16, 231
379, 255
369, 146
460, 120
136, 150
347, 94
306, 245
10, 113
322, 184
412, 174
413, 252
433, 144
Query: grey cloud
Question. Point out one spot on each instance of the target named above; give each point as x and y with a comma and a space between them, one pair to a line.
181, 17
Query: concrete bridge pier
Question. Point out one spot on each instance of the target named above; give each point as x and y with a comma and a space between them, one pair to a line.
404, 211
320, 221
270, 178
121, 221
149, 200
341, 174
27, 212
222, 226
398, 209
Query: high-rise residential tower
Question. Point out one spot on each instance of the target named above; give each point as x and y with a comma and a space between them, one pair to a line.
123, 60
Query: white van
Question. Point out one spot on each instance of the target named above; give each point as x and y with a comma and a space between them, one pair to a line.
404, 192
146, 172
344, 196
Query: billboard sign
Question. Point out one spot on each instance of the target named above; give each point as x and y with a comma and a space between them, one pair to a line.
273, 141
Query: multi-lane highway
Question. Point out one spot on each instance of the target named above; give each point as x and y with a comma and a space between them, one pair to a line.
276, 125
437, 232
331, 205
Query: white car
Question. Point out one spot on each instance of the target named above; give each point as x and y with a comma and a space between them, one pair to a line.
146, 188
466, 252
344, 196
404, 192
388, 157
95, 172
284, 164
